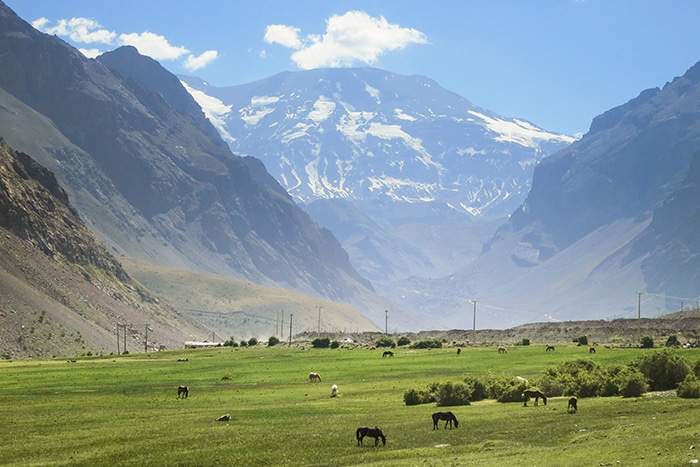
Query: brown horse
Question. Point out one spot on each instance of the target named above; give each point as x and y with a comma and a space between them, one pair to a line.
502, 349
375, 433
449, 417
183, 392
314, 377
549, 348
533, 393
388, 353
573, 404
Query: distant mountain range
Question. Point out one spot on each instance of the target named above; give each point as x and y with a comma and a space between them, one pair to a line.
612, 216
366, 134
149, 174
441, 206
407, 156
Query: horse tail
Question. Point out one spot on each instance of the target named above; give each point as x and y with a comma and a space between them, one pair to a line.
358, 433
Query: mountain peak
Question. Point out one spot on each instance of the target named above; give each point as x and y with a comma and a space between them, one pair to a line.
366, 134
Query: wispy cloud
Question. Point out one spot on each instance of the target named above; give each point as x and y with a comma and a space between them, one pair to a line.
89, 31
354, 37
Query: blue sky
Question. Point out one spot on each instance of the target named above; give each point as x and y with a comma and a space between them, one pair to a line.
556, 63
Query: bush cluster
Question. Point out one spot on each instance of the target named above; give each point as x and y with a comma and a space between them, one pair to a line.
427, 344
385, 341
583, 378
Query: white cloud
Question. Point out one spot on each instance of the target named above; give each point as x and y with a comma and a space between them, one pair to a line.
349, 38
90, 53
286, 36
80, 30
89, 31
194, 63
153, 45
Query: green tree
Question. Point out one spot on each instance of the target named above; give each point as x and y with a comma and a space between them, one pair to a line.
321, 343
272, 341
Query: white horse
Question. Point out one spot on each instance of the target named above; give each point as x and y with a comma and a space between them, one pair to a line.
314, 377
334, 390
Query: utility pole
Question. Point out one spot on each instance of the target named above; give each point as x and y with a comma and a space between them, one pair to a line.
639, 304
125, 351
118, 351
319, 320
290, 328
145, 342
386, 322
282, 326
474, 320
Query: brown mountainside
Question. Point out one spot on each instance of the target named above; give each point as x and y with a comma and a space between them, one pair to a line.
61, 292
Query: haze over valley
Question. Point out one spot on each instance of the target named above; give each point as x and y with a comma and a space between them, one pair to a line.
353, 198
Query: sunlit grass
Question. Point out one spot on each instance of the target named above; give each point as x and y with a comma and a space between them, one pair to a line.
125, 411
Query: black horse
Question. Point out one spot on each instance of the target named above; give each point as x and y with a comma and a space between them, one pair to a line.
183, 392
375, 433
533, 393
573, 405
449, 417
388, 353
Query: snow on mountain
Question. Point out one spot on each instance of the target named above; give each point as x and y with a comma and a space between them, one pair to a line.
367, 134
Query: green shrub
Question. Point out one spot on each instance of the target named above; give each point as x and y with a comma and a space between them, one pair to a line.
477, 389
525, 341
231, 343
582, 340
631, 382
244, 343
647, 342
689, 388
321, 343
427, 344
672, 341
385, 341
505, 388
335, 344
449, 394
252, 342
664, 370
413, 397
416, 396
403, 340
272, 341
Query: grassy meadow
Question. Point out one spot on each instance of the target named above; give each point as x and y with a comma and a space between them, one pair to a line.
123, 410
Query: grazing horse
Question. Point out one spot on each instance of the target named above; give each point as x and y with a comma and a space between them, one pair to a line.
449, 417
502, 349
591, 350
314, 377
183, 392
375, 433
459, 350
549, 348
573, 404
530, 393
388, 353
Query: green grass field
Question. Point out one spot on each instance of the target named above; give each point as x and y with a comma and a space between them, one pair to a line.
124, 411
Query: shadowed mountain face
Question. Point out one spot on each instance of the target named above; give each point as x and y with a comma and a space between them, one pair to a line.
151, 175
407, 156
61, 292
613, 214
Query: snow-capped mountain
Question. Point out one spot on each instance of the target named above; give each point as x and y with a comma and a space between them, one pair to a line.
366, 134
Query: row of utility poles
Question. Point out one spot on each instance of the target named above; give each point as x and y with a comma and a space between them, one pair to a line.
123, 328
280, 319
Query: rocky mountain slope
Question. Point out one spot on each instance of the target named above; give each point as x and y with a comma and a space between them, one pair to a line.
151, 176
401, 151
61, 292
611, 216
